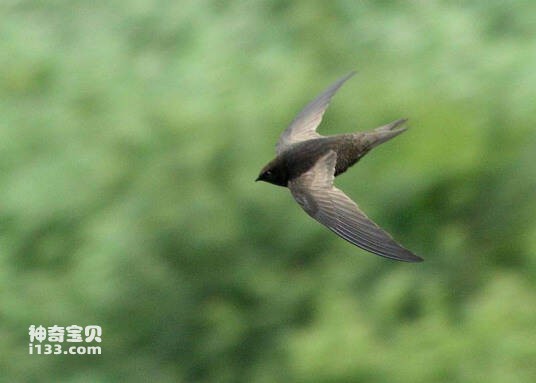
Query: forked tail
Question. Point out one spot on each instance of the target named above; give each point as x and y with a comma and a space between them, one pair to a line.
384, 133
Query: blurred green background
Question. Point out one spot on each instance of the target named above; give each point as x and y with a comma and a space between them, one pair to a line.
130, 136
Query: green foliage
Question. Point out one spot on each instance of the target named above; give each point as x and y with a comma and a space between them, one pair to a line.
130, 136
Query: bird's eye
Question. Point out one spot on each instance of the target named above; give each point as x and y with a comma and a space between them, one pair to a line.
268, 173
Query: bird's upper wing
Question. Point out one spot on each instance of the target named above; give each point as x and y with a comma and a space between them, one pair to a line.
315, 192
304, 125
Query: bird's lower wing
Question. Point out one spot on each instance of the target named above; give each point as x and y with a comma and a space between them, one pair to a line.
315, 193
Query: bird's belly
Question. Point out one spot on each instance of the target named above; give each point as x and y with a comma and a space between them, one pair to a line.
344, 162
348, 154
304, 155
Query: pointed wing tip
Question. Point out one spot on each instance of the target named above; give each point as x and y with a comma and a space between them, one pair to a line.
408, 256
304, 125
334, 87
343, 79
348, 76
416, 259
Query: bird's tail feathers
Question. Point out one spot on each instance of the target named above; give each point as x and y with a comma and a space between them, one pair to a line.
384, 133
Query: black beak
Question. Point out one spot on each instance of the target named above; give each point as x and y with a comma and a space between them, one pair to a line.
258, 178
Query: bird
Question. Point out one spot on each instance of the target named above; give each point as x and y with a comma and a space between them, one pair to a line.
307, 164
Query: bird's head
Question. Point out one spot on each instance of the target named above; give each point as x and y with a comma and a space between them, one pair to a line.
273, 173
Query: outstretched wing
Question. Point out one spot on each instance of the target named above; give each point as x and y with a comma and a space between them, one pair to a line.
305, 123
315, 192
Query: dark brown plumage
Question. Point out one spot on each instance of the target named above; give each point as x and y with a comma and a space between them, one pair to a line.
307, 164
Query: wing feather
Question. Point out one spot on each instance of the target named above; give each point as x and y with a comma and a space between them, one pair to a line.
304, 125
315, 192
